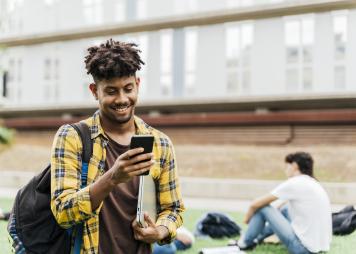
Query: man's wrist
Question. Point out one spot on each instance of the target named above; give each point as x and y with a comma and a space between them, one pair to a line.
112, 179
163, 232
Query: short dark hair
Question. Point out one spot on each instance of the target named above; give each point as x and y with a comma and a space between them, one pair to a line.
113, 59
304, 161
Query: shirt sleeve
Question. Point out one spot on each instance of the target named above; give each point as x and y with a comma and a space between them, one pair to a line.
170, 198
70, 204
285, 190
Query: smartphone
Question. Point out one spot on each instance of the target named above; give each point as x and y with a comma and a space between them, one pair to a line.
144, 141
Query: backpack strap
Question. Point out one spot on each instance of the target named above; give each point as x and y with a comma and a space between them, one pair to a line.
85, 135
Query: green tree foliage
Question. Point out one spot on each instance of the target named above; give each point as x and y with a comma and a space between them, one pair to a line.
6, 135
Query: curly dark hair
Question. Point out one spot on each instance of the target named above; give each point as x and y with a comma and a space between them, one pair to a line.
304, 160
113, 59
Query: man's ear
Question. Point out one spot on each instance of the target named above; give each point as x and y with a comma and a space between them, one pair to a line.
138, 82
94, 90
295, 166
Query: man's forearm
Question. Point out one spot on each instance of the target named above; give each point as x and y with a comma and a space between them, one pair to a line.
163, 232
100, 190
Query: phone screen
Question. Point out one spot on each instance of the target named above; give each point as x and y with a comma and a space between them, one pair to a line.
145, 141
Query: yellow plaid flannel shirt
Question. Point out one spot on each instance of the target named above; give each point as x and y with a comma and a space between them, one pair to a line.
71, 205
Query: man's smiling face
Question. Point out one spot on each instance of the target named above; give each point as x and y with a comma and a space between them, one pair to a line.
117, 98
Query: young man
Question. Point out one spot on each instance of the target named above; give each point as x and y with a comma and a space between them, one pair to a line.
107, 206
305, 226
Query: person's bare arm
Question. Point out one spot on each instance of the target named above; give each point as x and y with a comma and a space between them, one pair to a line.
123, 170
257, 204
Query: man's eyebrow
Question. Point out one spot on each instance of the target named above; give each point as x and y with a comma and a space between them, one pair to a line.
110, 87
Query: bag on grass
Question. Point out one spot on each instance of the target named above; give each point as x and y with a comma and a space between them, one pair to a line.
344, 222
217, 225
32, 225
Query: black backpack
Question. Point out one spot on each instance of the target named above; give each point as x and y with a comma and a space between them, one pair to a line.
344, 222
217, 225
32, 225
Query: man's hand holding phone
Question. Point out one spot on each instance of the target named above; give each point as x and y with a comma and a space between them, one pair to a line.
136, 161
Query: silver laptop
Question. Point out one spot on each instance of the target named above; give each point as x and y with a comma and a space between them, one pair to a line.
222, 250
147, 200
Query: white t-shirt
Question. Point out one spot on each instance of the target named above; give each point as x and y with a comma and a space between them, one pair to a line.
309, 209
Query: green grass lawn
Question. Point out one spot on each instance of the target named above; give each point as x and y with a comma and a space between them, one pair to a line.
340, 245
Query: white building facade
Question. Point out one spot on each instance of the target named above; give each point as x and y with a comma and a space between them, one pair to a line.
309, 53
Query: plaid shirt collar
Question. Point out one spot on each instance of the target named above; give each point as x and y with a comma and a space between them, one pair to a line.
96, 129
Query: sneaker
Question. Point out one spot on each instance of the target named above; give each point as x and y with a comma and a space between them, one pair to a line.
243, 246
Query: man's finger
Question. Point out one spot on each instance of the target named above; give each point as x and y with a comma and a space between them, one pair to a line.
141, 157
136, 236
138, 167
134, 223
130, 153
136, 227
149, 221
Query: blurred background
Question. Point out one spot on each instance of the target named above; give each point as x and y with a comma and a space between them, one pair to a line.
236, 84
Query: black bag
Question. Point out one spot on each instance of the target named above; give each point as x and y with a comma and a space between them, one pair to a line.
32, 224
218, 225
344, 222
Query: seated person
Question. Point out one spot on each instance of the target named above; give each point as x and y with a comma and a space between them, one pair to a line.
304, 226
183, 241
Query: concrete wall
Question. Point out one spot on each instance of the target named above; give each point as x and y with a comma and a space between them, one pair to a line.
339, 193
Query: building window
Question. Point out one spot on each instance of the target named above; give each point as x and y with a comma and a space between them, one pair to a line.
340, 35
166, 62
120, 13
292, 30
11, 18
239, 39
307, 78
92, 10
299, 41
19, 70
340, 29
292, 79
5, 84
141, 9
12, 80
11, 72
191, 40
47, 69
339, 77
51, 76
56, 69
141, 39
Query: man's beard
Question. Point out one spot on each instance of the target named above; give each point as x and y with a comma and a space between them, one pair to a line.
123, 120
